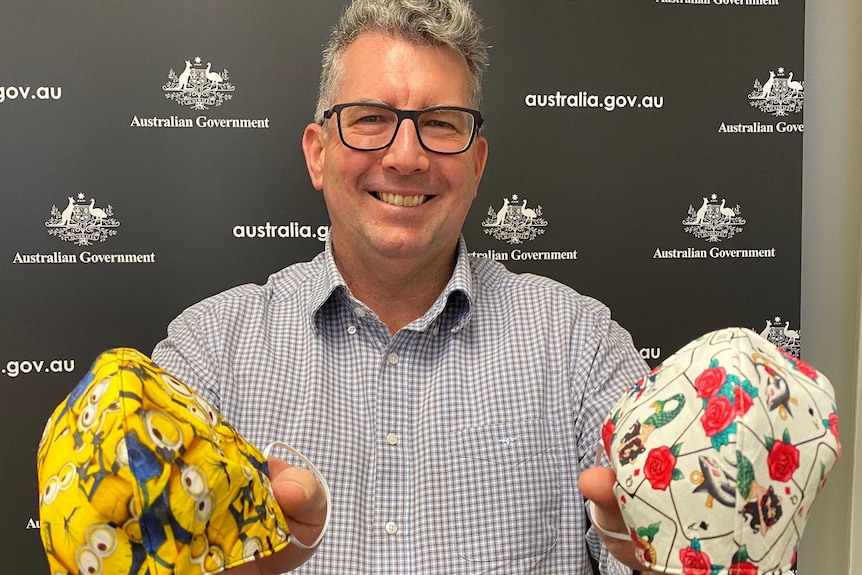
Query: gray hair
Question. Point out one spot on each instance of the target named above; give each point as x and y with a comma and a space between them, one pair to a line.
449, 23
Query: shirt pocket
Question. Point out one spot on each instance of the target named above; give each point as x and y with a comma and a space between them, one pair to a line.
506, 491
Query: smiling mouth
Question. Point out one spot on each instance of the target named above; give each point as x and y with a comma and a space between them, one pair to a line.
398, 200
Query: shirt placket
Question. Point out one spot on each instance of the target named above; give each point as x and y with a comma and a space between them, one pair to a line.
394, 473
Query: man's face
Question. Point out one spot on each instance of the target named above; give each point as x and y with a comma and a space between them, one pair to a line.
370, 196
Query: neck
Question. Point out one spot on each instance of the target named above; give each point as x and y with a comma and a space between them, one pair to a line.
398, 291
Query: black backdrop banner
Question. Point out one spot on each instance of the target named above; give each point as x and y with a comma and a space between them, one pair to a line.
646, 152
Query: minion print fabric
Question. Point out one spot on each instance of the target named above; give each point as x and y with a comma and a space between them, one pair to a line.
138, 475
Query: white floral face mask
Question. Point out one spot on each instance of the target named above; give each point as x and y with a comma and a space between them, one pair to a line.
719, 454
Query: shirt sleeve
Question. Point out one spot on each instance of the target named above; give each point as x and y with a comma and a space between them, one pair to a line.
607, 363
191, 351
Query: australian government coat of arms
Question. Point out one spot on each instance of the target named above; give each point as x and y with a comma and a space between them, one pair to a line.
198, 87
779, 95
82, 222
713, 221
514, 222
782, 336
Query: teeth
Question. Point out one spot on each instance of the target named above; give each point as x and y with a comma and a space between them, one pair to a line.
397, 200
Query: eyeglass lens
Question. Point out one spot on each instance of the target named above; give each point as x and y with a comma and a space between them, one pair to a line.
368, 127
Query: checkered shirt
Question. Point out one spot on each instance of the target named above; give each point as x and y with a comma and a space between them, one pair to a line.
453, 446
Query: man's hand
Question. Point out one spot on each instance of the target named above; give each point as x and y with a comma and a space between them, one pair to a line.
303, 501
597, 485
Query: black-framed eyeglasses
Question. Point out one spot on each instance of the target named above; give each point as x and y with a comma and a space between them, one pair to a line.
369, 127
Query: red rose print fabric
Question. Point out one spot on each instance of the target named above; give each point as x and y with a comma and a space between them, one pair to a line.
719, 455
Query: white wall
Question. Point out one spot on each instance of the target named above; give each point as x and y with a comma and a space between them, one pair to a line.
831, 223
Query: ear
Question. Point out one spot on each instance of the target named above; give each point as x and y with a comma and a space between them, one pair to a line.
479, 150
314, 149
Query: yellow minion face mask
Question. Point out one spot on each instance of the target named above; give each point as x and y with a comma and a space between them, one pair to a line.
139, 475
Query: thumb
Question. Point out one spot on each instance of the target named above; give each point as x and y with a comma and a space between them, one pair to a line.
597, 485
297, 492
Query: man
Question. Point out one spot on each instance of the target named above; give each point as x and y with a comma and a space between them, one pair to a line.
451, 404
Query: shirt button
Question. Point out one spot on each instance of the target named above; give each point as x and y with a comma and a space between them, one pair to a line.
392, 439
435, 330
392, 358
359, 312
391, 527
351, 330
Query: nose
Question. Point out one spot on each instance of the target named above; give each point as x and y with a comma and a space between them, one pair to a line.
406, 155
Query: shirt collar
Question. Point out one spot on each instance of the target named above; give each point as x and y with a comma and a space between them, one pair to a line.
326, 282
455, 300
453, 306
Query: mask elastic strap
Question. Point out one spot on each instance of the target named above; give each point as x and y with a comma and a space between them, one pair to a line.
320, 479
591, 513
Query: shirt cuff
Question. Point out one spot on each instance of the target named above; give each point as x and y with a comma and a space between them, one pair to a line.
614, 567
